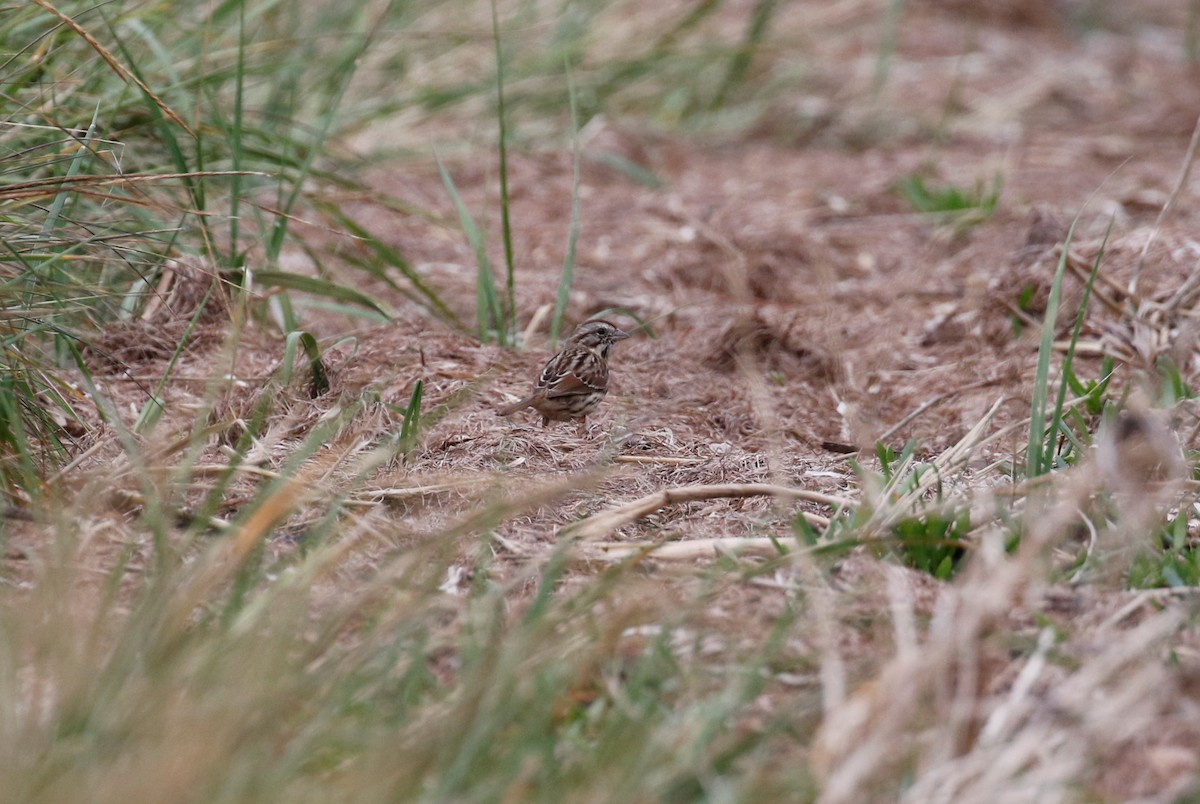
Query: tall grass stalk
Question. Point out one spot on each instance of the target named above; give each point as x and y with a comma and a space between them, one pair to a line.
77, 163
343, 71
489, 310
510, 309
739, 64
1191, 39
410, 427
235, 260
1036, 451
888, 36
1068, 363
567, 278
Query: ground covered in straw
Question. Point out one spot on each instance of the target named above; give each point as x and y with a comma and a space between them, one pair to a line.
791, 310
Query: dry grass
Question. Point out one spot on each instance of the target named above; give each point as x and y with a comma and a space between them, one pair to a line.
710, 594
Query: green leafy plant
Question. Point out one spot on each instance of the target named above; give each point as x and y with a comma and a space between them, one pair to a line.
959, 208
1173, 561
933, 542
412, 418
1173, 388
1042, 460
1041, 450
1024, 301
1095, 393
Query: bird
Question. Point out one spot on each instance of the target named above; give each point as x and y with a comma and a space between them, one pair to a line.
575, 380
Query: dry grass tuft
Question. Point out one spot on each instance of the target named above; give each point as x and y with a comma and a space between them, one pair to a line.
773, 341
173, 310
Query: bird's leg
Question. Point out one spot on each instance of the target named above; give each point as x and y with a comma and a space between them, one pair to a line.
582, 426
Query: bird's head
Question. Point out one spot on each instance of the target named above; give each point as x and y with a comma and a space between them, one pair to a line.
599, 335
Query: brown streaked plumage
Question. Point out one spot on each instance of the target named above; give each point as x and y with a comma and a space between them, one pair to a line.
575, 380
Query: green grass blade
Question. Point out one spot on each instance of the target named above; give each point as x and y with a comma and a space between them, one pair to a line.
412, 418
887, 44
342, 74
508, 323
1068, 365
154, 407
18, 414
154, 508
627, 167
347, 310
165, 129
661, 50
760, 19
489, 318
319, 287
390, 256
235, 140
568, 272
320, 380
82, 152
1034, 454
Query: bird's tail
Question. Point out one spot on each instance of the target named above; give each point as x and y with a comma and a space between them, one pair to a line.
515, 406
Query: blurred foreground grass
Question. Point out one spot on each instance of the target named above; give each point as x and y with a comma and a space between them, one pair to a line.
166, 655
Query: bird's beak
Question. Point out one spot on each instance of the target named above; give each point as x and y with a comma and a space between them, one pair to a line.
620, 335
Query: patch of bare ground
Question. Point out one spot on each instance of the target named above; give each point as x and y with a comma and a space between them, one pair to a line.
793, 302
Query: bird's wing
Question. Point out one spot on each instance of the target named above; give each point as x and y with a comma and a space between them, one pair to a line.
570, 385
577, 372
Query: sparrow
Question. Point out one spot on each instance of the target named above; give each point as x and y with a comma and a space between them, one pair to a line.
574, 381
